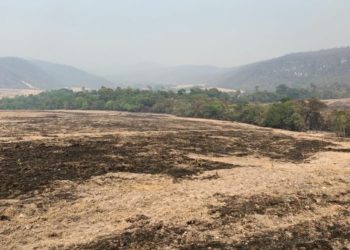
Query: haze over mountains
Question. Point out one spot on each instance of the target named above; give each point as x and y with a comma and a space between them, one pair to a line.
324, 67
18, 73
299, 70
150, 74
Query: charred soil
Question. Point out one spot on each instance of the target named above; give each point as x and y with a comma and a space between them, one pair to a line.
110, 180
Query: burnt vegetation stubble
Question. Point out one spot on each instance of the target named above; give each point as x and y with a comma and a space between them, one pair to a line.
165, 152
330, 232
30, 165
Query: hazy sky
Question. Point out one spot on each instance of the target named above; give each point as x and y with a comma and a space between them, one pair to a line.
101, 34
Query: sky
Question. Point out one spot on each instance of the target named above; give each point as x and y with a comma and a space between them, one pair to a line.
101, 35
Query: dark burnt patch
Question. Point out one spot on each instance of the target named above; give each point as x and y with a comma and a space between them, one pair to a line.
330, 232
234, 208
244, 142
4, 218
342, 150
144, 234
326, 233
31, 165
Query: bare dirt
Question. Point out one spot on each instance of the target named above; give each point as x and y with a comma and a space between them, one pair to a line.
111, 180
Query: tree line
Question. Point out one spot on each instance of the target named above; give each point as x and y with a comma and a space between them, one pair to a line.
286, 108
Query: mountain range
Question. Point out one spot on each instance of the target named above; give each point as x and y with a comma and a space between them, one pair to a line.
18, 73
323, 67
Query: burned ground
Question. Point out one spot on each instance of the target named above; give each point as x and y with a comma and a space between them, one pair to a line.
30, 165
27, 166
109, 180
329, 232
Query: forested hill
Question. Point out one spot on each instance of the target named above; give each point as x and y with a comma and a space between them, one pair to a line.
18, 73
318, 68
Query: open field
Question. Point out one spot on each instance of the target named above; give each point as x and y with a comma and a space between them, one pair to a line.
17, 92
112, 180
338, 103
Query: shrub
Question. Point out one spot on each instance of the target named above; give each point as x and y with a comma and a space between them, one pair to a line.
341, 123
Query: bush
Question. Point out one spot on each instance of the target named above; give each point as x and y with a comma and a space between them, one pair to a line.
341, 123
285, 115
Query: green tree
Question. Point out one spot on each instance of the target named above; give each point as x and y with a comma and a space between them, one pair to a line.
283, 115
341, 123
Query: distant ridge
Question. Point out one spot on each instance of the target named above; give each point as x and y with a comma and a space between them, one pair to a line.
18, 73
324, 67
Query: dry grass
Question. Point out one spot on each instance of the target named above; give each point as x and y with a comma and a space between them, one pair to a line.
18, 92
111, 180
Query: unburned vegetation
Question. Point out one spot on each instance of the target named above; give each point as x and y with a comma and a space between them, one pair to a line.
109, 180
